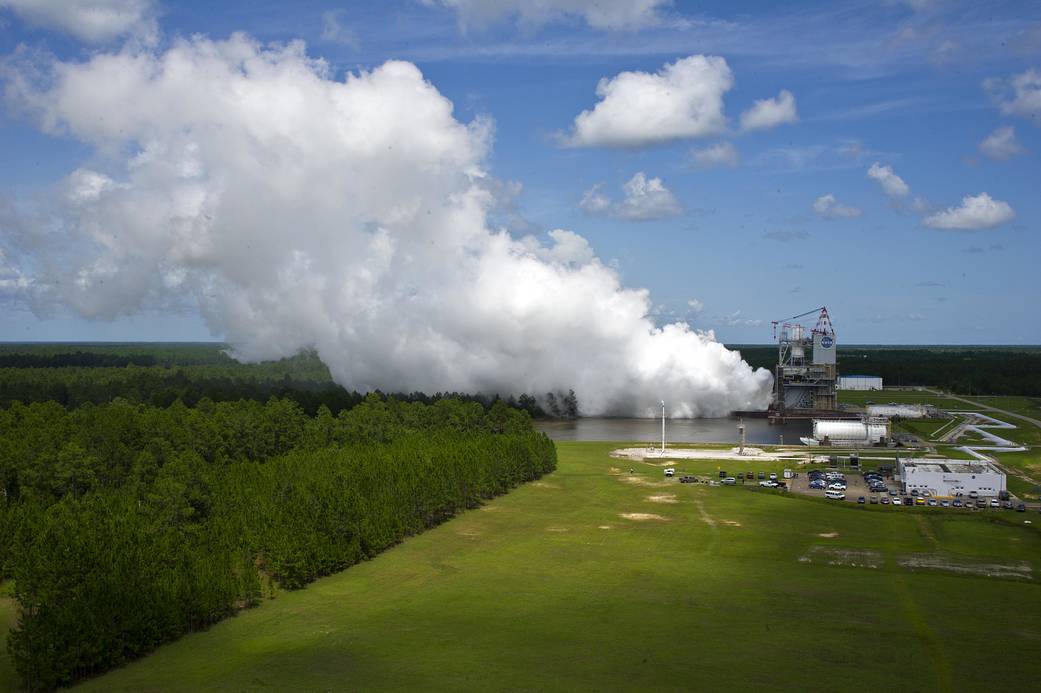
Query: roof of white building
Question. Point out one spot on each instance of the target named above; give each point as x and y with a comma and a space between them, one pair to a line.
948, 466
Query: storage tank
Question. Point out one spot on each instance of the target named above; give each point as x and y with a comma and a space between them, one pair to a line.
843, 432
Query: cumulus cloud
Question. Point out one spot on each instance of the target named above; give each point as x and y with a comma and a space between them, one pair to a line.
352, 217
94, 21
612, 15
769, 113
684, 99
719, 154
735, 319
646, 199
975, 213
1019, 95
695, 305
1002, 144
828, 207
893, 184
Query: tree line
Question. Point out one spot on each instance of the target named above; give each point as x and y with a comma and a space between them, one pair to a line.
969, 370
125, 525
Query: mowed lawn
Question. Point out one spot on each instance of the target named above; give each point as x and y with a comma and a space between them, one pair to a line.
551, 588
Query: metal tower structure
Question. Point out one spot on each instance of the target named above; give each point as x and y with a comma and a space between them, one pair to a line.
806, 371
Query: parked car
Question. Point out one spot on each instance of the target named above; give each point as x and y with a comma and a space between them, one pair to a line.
670, 471
730, 481
768, 484
896, 501
884, 500
981, 503
994, 503
957, 503
722, 475
861, 500
919, 501
835, 495
945, 504
1007, 505
688, 480
773, 476
874, 500
762, 475
932, 503
817, 485
973, 494
1021, 508
740, 476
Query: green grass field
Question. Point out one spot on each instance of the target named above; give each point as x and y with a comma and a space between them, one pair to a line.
551, 587
862, 397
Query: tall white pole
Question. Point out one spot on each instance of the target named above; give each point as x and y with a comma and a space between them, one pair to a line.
663, 427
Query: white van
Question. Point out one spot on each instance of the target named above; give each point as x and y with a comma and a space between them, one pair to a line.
834, 495
670, 471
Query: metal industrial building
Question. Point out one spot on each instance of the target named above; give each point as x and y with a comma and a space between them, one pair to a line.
860, 382
806, 372
846, 433
903, 411
949, 478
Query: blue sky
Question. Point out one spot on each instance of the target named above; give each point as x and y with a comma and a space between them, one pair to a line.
736, 244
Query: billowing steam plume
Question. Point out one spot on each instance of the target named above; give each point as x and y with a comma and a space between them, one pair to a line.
348, 216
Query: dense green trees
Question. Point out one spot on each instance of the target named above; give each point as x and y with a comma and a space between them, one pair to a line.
125, 525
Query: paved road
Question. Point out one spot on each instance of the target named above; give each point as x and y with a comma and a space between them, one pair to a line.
1036, 422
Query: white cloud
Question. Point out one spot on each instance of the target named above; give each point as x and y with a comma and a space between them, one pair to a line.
735, 319
1002, 144
830, 208
1018, 95
594, 201
769, 113
335, 31
684, 99
719, 154
646, 199
612, 15
695, 305
351, 216
976, 212
94, 21
893, 184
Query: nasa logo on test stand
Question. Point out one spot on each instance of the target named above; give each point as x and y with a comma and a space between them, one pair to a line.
827, 342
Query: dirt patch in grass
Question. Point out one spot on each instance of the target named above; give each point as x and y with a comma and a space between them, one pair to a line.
731, 523
642, 517
855, 558
605, 527
705, 517
543, 484
828, 535
468, 533
663, 498
642, 481
961, 566
557, 529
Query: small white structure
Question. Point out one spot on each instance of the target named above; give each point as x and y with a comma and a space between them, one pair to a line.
904, 411
848, 432
949, 478
860, 382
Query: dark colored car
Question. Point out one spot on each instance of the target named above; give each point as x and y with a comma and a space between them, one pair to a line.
722, 475
981, 503
762, 475
740, 476
957, 503
861, 500
688, 480
1021, 508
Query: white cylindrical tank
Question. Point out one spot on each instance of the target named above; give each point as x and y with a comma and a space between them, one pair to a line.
839, 430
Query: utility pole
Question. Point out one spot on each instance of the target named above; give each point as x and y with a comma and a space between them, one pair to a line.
663, 427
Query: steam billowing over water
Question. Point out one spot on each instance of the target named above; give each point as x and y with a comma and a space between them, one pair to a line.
349, 216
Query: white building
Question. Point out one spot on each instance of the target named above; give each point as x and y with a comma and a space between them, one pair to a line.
944, 477
860, 382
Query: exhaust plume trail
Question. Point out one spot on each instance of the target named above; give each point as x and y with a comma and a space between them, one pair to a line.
349, 216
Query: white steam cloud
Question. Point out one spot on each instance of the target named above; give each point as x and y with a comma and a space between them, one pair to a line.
348, 216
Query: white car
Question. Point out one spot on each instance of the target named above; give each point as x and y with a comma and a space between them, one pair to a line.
835, 495
773, 477
897, 501
670, 471
994, 503
768, 484
730, 481
836, 486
